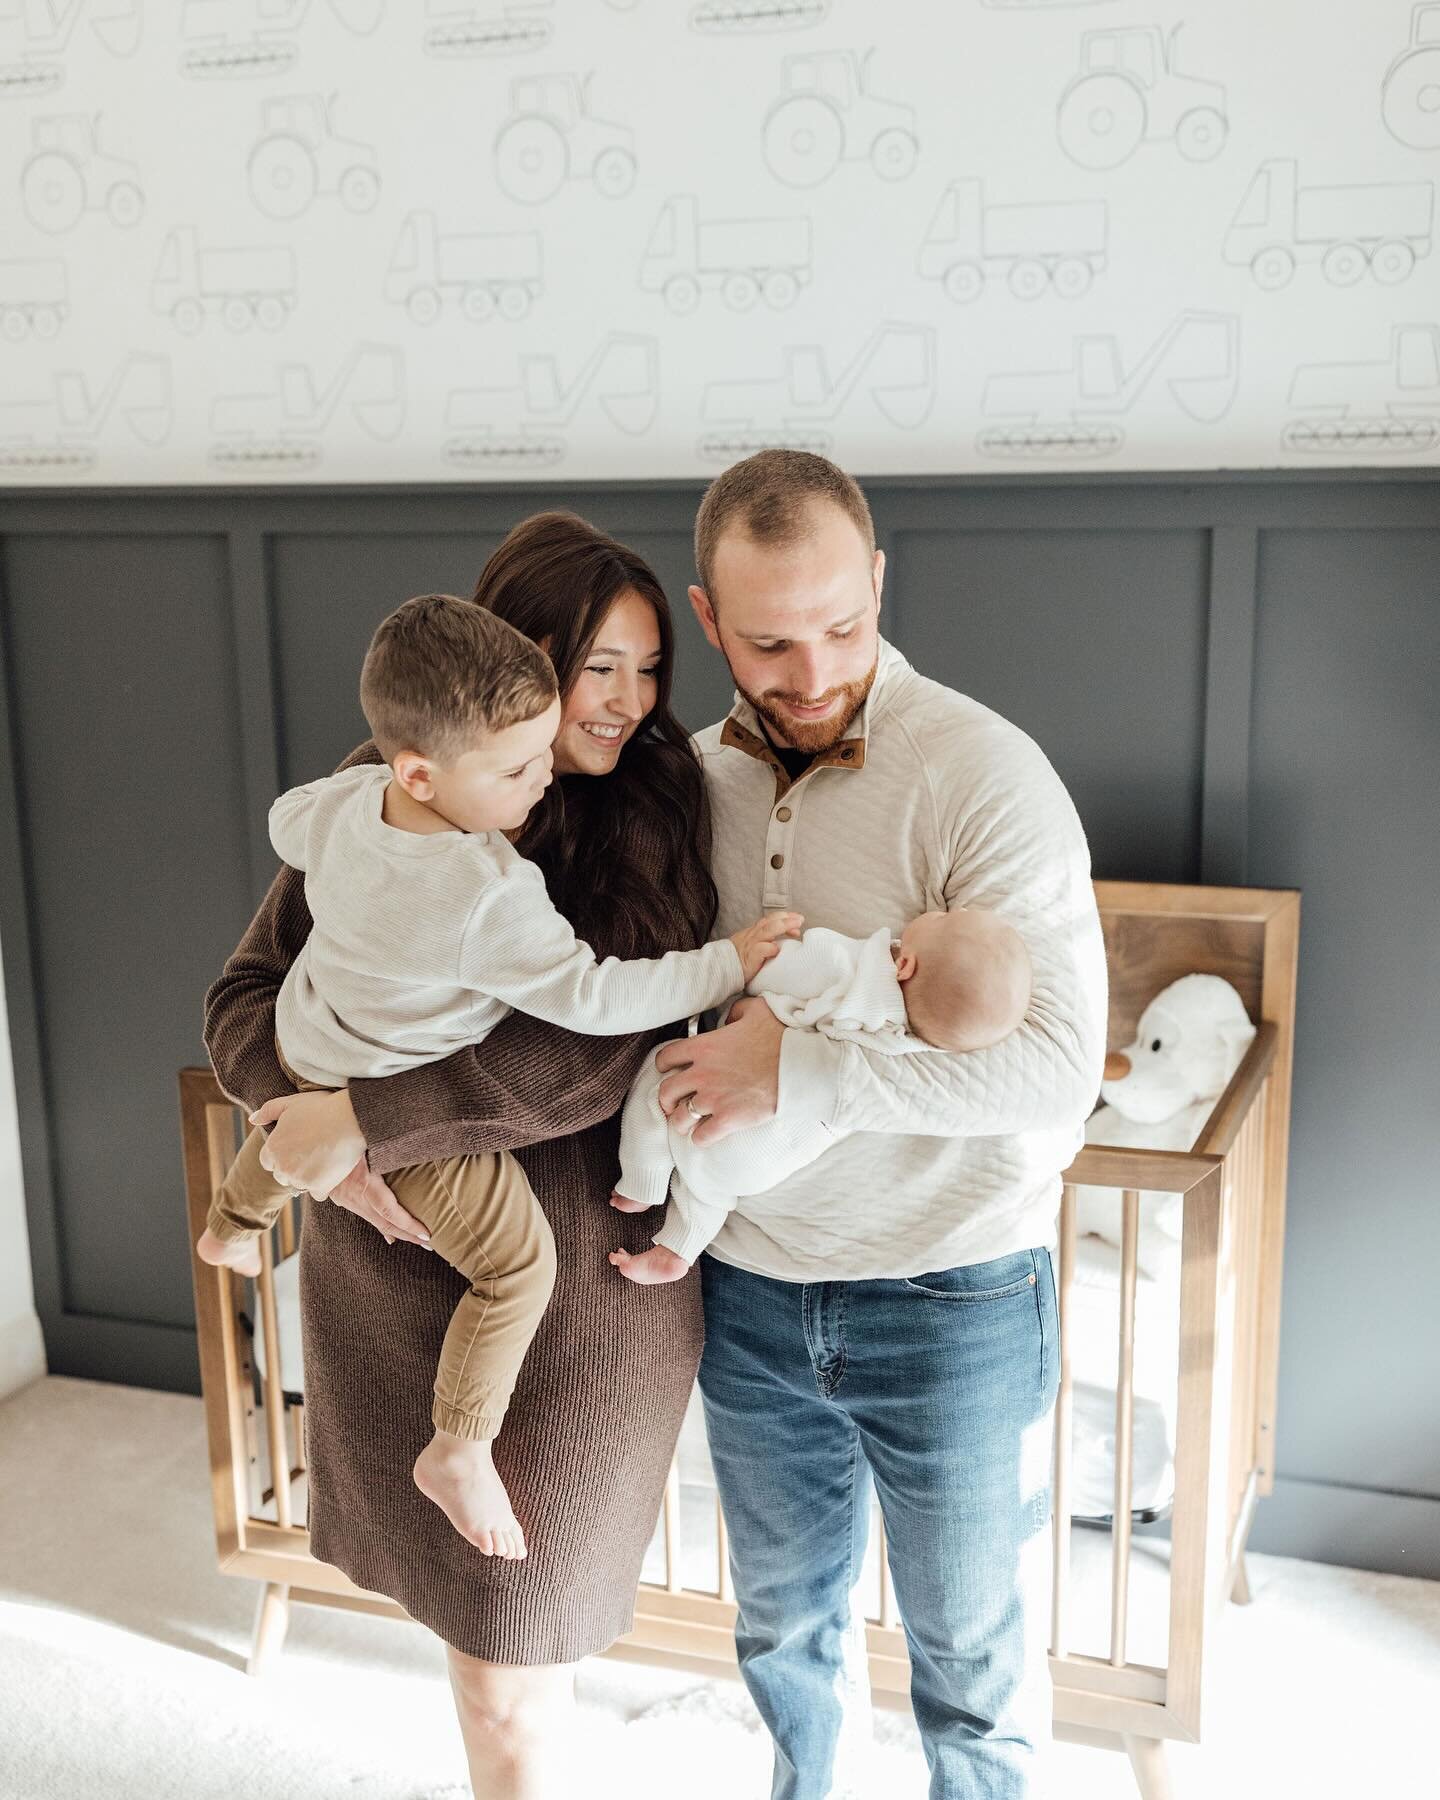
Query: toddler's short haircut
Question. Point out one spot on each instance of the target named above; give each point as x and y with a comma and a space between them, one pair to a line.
441, 673
769, 495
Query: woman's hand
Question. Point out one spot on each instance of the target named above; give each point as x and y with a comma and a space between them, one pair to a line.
369, 1197
316, 1141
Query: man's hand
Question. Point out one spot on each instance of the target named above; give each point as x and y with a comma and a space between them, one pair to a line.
732, 1075
316, 1141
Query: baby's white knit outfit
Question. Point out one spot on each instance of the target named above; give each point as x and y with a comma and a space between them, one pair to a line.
423, 943
841, 986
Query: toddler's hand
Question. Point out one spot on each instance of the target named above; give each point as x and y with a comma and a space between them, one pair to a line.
757, 943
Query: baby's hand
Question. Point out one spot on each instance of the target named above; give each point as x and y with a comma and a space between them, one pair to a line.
757, 943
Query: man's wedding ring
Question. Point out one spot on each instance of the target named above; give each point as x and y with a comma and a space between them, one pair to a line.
695, 1112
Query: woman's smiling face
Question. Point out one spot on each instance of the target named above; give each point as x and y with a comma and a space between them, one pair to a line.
614, 692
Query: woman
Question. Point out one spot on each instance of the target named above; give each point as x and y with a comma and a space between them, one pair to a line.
622, 839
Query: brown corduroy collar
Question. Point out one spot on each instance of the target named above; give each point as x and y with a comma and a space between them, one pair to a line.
849, 753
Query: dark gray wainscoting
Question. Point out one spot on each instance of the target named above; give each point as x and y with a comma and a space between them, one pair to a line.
1235, 676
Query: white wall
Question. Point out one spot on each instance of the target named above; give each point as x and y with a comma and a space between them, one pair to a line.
22, 1353
1109, 314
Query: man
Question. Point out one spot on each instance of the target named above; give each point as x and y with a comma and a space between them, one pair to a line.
892, 1306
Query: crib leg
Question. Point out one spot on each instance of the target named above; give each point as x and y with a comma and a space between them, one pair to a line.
272, 1619
1240, 1591
1151, 1767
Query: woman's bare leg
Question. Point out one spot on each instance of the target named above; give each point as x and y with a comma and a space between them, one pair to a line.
516, 1726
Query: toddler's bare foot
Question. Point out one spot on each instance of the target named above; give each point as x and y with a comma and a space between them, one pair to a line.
651, 1266
243, 1255
623, 1203
459, 1476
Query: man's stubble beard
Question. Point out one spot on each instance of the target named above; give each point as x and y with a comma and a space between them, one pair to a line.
814, 738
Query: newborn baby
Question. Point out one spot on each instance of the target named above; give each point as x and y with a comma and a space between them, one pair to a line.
954, 981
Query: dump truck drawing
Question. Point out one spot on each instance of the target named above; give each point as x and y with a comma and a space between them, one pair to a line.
1385, 408
744, 260
1410, 92
1068, 412
244, 287
552, 137
299, 156
231, 40
281, 428
729, 18
1129, 92
523, 426
827, 115
35, 33
894, 370
481, 272
1035, 247
67, 176
34, 297
1381, 227
501, 28
59, 432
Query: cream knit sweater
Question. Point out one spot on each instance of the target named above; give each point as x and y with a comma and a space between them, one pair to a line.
943, 1157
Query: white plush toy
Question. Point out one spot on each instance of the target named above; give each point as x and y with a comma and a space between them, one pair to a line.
1158, 1094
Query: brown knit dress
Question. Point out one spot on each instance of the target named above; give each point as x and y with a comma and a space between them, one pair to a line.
595, 1415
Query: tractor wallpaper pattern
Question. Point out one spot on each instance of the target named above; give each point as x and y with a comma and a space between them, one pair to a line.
419, 240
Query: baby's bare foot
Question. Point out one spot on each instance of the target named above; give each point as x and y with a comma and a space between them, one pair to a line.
243, 1255
459, 1476
623, 1203
651, 1266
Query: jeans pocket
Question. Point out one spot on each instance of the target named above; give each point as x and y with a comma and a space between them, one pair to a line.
993, 1280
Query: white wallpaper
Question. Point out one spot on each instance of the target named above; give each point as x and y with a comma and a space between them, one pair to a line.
392, 240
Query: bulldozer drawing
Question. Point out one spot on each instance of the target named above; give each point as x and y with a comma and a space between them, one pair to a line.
893, 370
552, 137
299, 156
1129, 92
34, 35
827, 115
245, 287
1410, 92
1070, 412
1385, 408
499, 28
281, 429
1376, 227
231, 40
67, 175
729, 18
60, 432
523, 426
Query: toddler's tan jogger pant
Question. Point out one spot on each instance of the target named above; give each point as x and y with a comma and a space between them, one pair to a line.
484, 1219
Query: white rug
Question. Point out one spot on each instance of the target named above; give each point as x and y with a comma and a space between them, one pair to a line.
122, 1654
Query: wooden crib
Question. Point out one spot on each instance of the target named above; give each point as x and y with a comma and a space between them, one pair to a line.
1114, 1685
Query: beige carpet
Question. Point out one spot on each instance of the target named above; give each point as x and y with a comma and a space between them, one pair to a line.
122, 1662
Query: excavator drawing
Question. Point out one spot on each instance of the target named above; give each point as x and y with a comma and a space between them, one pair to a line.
1070, 412
281, 428
894, 369
34, 35
523, 426
59, 433
1385, 408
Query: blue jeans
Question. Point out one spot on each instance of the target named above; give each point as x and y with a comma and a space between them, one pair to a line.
943, 1388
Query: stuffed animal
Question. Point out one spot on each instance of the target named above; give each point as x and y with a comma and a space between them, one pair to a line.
1157, 1095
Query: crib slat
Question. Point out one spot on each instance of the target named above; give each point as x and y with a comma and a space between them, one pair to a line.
1124, 1428
1064, 1414
723, 1585
274, 1383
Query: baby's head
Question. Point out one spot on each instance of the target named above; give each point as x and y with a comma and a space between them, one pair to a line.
464, 709
965, 977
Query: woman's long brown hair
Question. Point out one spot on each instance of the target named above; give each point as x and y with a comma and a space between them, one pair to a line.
624, 855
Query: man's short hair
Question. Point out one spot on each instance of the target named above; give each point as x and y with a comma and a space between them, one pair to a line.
442, 672
769, 495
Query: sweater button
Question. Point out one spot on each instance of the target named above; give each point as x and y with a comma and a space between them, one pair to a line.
783, 815
777, 862
846, 755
